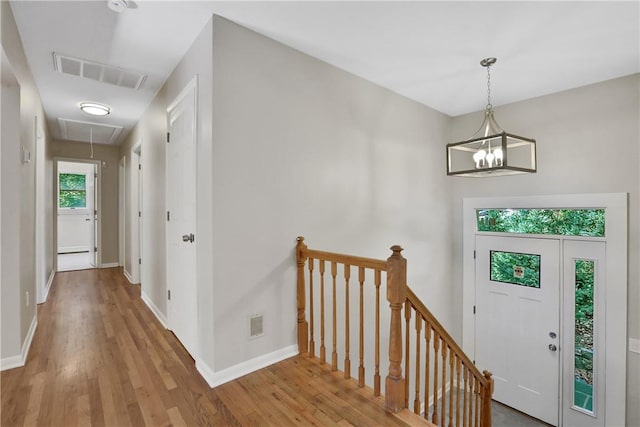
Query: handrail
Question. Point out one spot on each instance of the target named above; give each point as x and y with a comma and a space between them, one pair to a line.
356, 261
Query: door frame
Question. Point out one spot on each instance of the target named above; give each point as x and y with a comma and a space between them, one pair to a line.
98, 207
615, 205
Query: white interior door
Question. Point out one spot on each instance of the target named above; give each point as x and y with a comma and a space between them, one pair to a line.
584, 334
517, 321
181, 218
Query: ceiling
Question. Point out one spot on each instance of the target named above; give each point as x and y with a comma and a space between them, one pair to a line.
427, 51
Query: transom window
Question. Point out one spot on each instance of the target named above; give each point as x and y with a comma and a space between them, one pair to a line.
564, 222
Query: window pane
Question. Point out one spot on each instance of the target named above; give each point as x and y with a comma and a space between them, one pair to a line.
515, 268
565, 222
72, 181
72, 190
583, 350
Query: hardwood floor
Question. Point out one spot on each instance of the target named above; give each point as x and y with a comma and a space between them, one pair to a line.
99, 357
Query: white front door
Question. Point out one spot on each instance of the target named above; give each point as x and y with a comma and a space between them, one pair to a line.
517, 321
181, 218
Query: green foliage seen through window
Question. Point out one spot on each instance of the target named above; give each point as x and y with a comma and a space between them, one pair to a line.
73, 190
503, 265
565, 222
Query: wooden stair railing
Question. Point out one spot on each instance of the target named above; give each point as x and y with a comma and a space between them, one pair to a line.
455, 392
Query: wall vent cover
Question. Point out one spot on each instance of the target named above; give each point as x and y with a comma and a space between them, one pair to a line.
98, 72
256, 325
75, 130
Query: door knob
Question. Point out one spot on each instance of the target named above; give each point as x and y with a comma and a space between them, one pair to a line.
188, 238
552, 347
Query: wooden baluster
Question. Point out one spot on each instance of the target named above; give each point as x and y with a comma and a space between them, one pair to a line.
407, 341
427, 373
303, 326
451, 391
444, 383
458, 364
436, 347
465, 400
334, 354
323, 350
476, 398
416, 399
361, 367
347, 361
486, 400
312, 343
376, 375
396, 295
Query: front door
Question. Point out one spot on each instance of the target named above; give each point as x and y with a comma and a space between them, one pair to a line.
181, 219
517, 321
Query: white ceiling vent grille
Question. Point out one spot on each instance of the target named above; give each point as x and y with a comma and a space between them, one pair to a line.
74, 130
98, 72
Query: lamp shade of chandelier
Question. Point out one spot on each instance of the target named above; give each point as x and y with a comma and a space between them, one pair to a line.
491, 151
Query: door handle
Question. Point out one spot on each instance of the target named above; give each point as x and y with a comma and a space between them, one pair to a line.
552, 347
87, 219
188, 238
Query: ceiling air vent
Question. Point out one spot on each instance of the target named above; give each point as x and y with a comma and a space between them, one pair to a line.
74, 130
98, 72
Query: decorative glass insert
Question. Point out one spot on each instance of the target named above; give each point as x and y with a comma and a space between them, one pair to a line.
515, 268
583, 348
565, 222
73, 190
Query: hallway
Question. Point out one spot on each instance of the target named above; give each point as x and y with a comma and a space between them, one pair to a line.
99, 357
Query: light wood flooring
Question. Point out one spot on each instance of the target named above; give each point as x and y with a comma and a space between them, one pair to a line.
99, 357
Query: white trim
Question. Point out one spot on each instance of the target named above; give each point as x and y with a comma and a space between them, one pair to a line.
634, 345
154, 309
215, 379
47, 287
127, 275
109, 265
19, 360
616, 290
73, 249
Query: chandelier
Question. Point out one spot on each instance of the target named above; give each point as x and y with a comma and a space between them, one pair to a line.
491, 151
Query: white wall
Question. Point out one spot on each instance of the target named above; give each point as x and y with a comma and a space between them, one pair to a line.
588, 141
303, 148
21, 312
10, 234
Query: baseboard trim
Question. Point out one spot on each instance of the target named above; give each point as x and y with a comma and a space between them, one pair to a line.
47, 287
127, 275
154, 309
215, 379
109, 265
18, 361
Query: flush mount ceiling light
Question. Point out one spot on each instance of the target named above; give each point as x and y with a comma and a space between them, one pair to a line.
491, 151
117, 5
94, 108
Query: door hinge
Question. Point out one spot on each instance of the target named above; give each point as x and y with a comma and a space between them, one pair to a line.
139, 214
95, 212
168, 137
169, 294
168, 216
474, 254
139, 167
95, 176
95, 249
139, 260
474, 309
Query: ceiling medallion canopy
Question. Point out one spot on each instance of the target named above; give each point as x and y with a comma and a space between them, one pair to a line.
491, 151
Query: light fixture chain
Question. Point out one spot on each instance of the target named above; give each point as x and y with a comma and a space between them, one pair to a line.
489, 106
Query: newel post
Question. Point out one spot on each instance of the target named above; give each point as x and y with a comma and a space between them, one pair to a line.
396, 294
486, 400
303, 326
